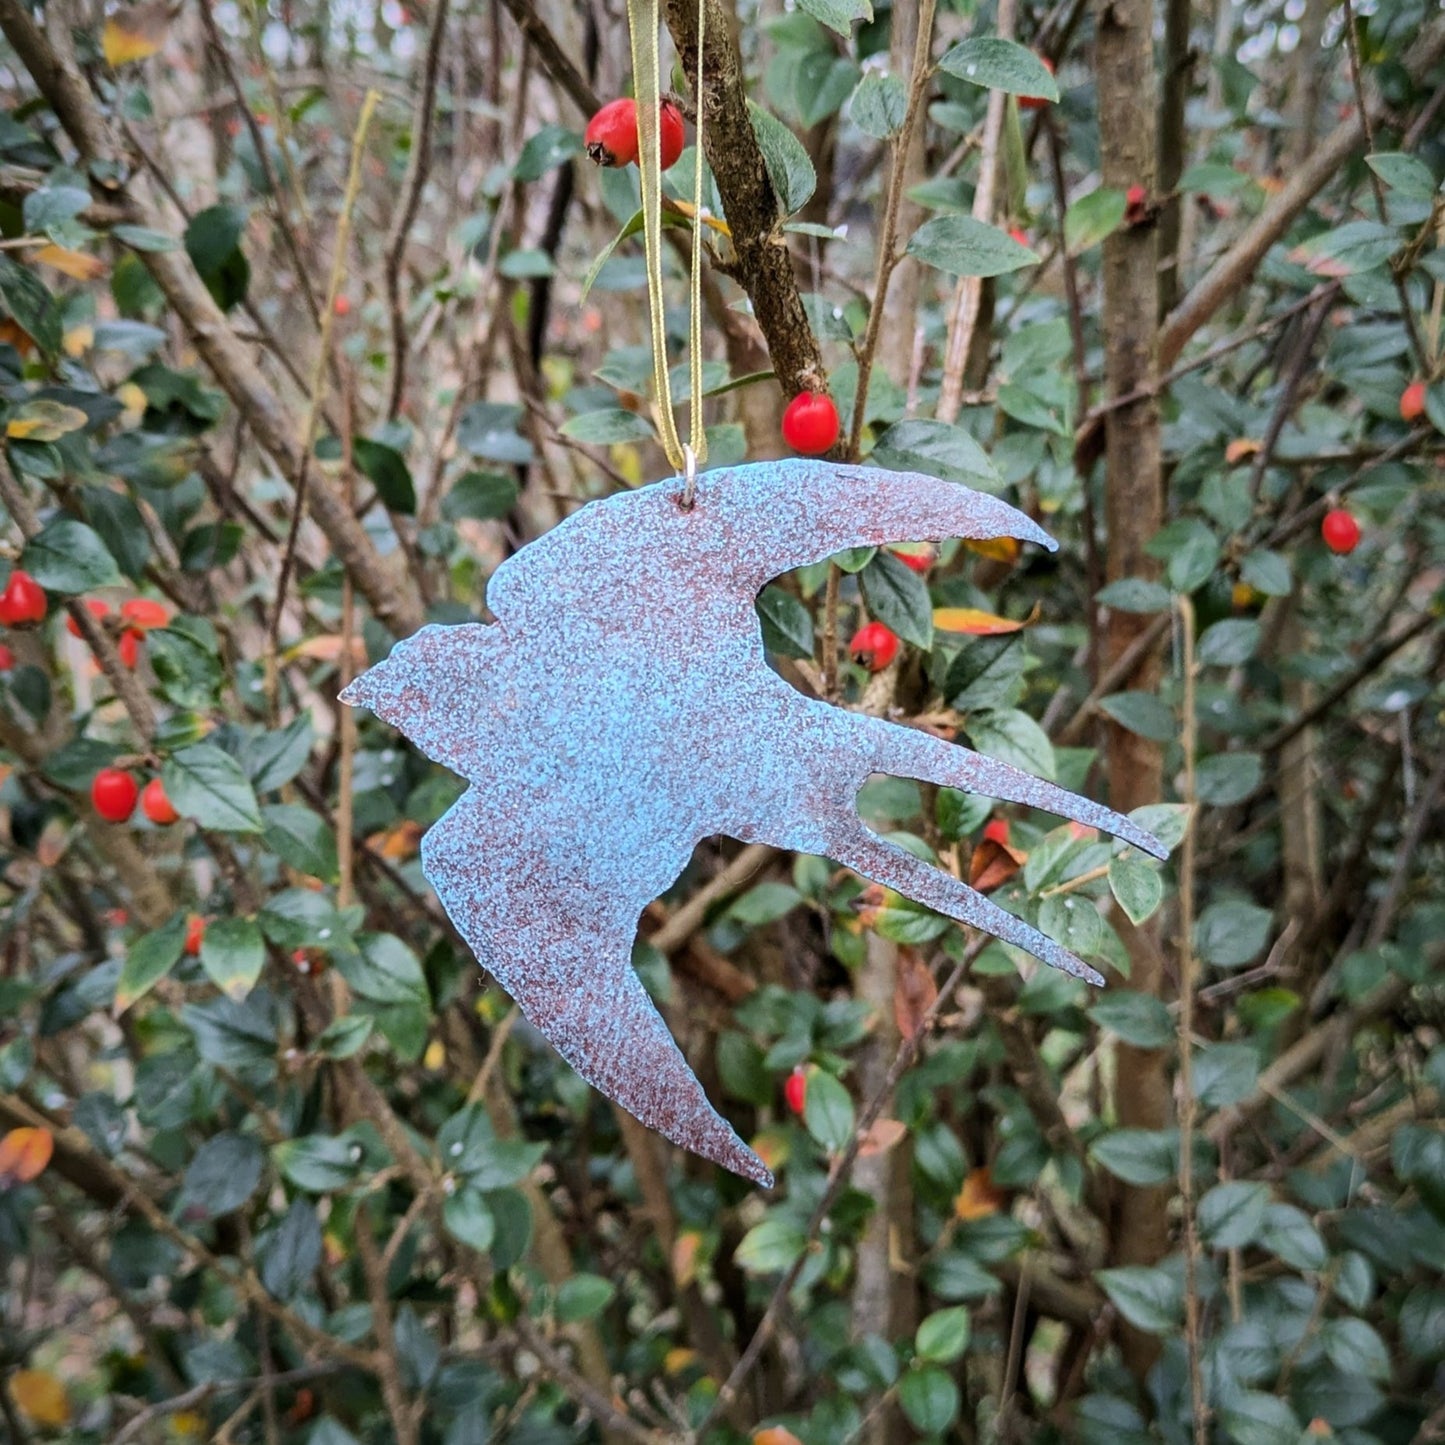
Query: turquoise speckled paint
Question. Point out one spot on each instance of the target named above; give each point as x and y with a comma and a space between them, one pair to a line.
621, 710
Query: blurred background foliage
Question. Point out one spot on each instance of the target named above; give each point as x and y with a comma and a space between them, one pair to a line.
277, 1163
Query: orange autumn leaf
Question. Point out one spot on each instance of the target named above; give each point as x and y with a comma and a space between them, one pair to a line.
41, 1397
75, 264
974, 622
15, 335
398, 843
882, 1135
24, 1153
913, 993
1239, 449
979, 1197
327, 648
685, 1251
996, 549
135, 32
993, 864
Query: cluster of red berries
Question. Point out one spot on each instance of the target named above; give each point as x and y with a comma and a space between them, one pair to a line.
612, 136
114, 794
23, 604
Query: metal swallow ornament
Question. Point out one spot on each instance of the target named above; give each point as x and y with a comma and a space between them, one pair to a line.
621, 709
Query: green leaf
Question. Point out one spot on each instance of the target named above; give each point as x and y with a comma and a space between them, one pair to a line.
1351, 249
1226, 778
232, 1035
388, 472
838, 15
302, 839
1230, 642
943, 1336
929, 1398
1354, 1347
1225, 1074
187, 667
486, 496
289, 1252
1150, 1299
220, 1178
1231, 933
344, 1038
139, 238
33, 307
1407, 174
1134, 594
1000, 65
938, 450
550, 147
384, 970
233, 954
1168, 822
488, 429
771, 1246
67, 556
468, 1146
608, 427
468, 1217
1144, 713
790, 168
1232, 1214
963, 246
765, 903
208, 785
148, 960
1138, 1156
1289, 1234
273, 758
828, 1111
898, 598
1012, 737
1137, 1018
1251, 1417
1417, 1153
879, 106
319, 1163
787, 624
1093, 218
1267, 572
583, 1297
213, 242
1136, 886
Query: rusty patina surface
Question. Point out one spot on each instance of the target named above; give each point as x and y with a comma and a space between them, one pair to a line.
621, 710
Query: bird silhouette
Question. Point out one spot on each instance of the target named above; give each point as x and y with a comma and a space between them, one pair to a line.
621, 709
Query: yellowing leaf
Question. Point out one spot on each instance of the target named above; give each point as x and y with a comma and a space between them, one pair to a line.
685, 208
977, 623
327, 648
41, 1397
998, 549
685, 1251
979, 1197
24, 1153
135, 32
75, 264
1239, 449
435, 1056
78, 340
44, 421
676, 1360
134, 400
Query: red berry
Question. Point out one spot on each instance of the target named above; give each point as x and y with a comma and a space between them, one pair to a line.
671, 137
1020, 235
1412, 401
1340, 531
612, 134
129, 646
195, 934
114, 792
997, 829
145, 612
810, 424
342, 306
22, 604
1136, 206
7, 658
156, 806
1036, 102
97, 609
795, 1090
875, 646
918, 561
